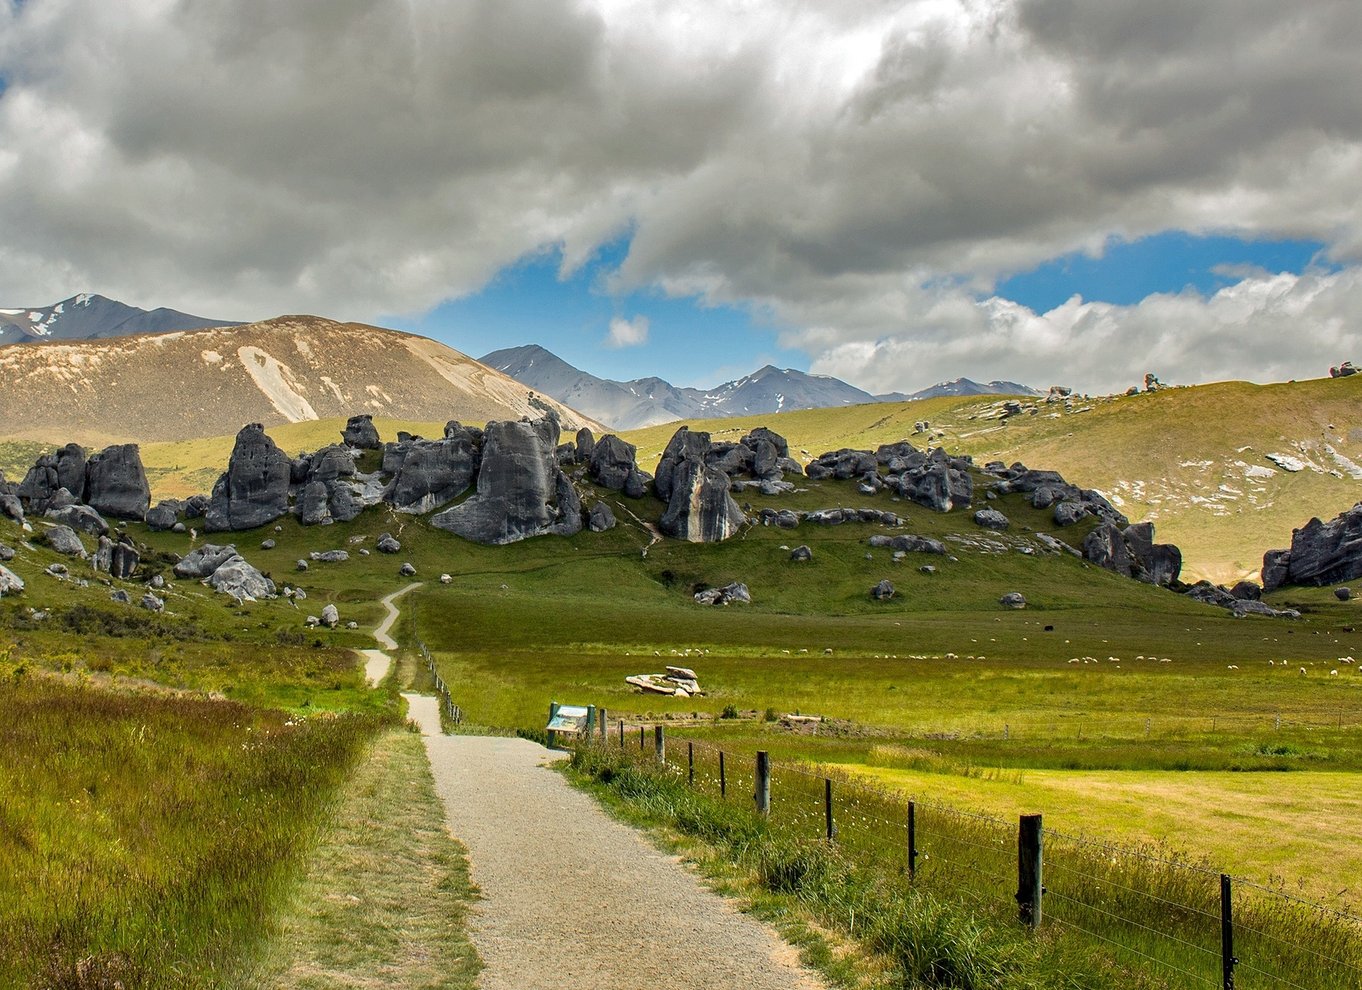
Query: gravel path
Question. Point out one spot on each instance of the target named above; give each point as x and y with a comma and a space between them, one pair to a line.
572, 898
376, 662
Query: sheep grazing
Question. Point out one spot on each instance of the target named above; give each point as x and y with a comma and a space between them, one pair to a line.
1234, 666
1333, 673
1302, 671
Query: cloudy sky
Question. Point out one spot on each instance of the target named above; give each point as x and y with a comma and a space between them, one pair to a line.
894, 193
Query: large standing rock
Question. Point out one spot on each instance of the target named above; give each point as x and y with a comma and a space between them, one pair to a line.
39, 484
12, 508
1106, 547
521, 491
204, 560
432, 473
360, 432
118, 560
116, 483
611, 464
699, 506
1156, 563
254, 491
940, 487
1321, 553
330, 617
239, 579
586, 443
314, 505
71, 470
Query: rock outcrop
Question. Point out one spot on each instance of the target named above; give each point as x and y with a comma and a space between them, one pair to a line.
699, 506
116, 483
521, 490
600, 518
117, 559
255, 488
431, 473
611, 464
1320, 554
10, 583
64, 540
1132, 552
735, 592
239, 579
203, 561
361, 433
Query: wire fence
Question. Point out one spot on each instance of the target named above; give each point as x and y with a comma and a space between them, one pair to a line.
1177, 921
448, 709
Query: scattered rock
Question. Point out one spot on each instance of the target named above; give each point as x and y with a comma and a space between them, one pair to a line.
883, 591
909, 543
267, 544
81, 518
1321, 553
11, 507
407, 570
330, 617
64, 540
10, 583
118, 560
151, 603
600, 518
927, 569
991, 519
1343, 594
1246, 591
301, 565
446, 579
57, 570
387, 543
120, 596
735, 592
1013, 599
6, 553
328, 557
1344, 370
204, 560
116, 483
800, 553
157, 582
239, 579
162, 517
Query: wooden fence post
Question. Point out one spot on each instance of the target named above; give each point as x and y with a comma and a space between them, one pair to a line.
723, 777
621, 733
690, 763
830, 829
660, 744
763, 793
641, 732
552, 735
912, 840
604, 717
1029, 870
1227, 959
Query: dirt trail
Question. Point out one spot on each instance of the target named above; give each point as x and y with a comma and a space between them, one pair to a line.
376, 662
574, 899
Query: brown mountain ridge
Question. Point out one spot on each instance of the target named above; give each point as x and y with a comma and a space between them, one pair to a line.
292, 369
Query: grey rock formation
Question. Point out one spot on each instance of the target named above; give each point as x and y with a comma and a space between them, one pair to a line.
327, 557
842, 465
118, 559
64, 540
203, 561
162, 517
360, 432
12, 508
407, 570
991, 519
783, 518
1047, 488
432, 473
255, 488
801, 553
1246, 591
387, 543
909, 543
1067, 513
684, 445
521, 491
586, 443
151, 603
1013, 599
314, 505
700, 509
883, 591
1343, 594
81, 518
735, 592
940, 487
10, 583
120, 596
1132, 552
1321, 553
239, 579
600, 518
611, 464
269, 544
116, 483
330, 617
6, 553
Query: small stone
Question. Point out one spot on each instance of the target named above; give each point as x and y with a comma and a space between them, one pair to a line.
446, 579
268, 545
302, 565
1013, 599
407, 570
801, 553
927, 569
387, 543
120, 596
352, 625
330, 617
151, 603
1343, 594
57, 570
883, 591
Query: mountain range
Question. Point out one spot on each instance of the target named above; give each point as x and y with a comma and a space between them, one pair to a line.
643, 402
89, 316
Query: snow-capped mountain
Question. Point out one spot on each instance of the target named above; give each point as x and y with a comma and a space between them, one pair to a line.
641, 402
89, 316
961, 386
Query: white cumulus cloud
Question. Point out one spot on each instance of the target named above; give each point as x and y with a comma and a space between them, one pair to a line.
627, 333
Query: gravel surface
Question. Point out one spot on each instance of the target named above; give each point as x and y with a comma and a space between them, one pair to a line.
572, 898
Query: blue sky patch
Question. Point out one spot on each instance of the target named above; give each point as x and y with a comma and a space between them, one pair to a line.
527, 303
1170, 262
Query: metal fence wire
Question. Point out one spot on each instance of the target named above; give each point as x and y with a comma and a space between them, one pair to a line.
1185, 924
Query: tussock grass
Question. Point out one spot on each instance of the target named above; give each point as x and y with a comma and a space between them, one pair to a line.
145, 837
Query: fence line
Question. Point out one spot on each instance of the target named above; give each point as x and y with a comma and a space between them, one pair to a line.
450, 710
1200, 927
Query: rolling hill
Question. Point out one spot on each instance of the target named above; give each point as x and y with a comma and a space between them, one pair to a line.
180, 385
1225, 470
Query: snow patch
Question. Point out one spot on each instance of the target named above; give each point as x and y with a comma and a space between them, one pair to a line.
277, 383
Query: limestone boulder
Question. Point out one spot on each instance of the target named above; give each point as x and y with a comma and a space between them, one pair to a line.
883, 591
361, 433
239, 579
81, 518
600, 518
202, 561
612, 464
10, 583
991, 519
162, 516
1321, 553
521, 491
116, 483
432, 473
728, 594
1013, 599
330, 617
63, 540
255, 488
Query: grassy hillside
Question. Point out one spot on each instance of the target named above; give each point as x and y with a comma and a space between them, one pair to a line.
1193, 460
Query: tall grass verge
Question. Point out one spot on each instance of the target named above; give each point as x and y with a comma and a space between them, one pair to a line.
145, 837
